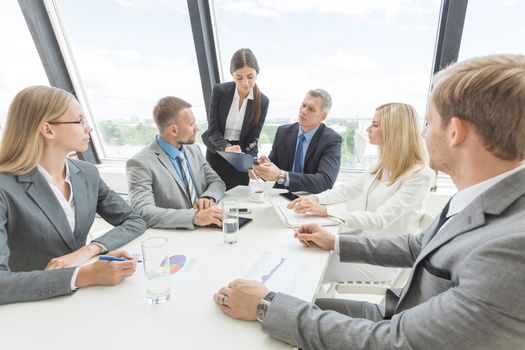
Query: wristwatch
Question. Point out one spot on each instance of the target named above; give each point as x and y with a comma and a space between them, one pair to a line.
263, 306
281, 179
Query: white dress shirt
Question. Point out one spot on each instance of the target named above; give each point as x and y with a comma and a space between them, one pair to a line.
232, 130
67, 204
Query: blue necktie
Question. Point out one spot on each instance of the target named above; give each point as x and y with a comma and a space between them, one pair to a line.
298, 162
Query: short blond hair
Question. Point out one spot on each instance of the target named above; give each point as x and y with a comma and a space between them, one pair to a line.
22, 144
402, 147
489, 93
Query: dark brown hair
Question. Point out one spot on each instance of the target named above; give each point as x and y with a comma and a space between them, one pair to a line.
245, 58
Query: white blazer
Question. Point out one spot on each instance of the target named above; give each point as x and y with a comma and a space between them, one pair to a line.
374, 207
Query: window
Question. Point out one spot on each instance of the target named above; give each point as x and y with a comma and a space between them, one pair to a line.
20, 65
493, 27
364, 53
129, 54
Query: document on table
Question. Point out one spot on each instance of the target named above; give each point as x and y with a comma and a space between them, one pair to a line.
297, 220
181, 267
277, 272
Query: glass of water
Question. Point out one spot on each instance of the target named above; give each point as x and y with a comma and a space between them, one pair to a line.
155, 256
230, 221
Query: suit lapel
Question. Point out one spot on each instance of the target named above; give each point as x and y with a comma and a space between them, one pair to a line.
290, 144
226, 103
80, 192
40, 192
165, 161
195, 171
366, 187
313, 144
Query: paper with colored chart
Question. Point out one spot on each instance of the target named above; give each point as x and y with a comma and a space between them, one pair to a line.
181, 268
277, 272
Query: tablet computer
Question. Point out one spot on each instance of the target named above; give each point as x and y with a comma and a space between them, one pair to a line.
242, 222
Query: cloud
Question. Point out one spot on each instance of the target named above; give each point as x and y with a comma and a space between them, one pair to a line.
341, 60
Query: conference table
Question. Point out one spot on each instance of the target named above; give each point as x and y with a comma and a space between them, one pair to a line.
120, 316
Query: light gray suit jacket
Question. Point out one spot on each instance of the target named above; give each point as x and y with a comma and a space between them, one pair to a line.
34, 229
479, 305
157, 192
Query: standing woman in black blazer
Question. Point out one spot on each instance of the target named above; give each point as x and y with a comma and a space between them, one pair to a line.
237, 113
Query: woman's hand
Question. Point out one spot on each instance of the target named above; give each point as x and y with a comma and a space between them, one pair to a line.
106, 273
308, 205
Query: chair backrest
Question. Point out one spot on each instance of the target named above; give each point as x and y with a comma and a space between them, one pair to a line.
425, 221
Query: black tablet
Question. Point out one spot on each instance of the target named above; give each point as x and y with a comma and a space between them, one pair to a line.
289, 195
242, 222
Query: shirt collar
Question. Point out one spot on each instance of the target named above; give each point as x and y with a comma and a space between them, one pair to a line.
48, 176
171, 151
467, 195
236, 94
307, 135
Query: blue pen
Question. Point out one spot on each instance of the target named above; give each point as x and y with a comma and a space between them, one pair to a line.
111, 258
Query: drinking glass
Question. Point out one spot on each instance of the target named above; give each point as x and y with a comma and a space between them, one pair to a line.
155, 257
230, 221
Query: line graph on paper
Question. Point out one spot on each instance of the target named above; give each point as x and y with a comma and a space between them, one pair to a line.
276, 272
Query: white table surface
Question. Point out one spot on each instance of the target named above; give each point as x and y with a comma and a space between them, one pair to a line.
120, 317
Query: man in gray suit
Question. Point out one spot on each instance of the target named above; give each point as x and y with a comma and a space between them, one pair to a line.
170, 183
467, 281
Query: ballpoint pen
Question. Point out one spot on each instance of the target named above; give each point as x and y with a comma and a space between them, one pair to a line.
111, 258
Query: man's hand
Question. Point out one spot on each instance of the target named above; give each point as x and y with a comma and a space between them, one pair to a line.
308, 205
267, 170
239, 300
106, 273
77, 258
234, 148
212, 215
203, 203
315, 234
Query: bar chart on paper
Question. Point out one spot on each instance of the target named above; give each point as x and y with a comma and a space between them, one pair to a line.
278, 273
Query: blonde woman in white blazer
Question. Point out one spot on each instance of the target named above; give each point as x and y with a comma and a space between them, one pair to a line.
387, 200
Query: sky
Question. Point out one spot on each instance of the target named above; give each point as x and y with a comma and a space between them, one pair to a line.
130, 53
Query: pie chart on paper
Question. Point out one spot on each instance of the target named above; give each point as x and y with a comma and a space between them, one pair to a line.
177, 262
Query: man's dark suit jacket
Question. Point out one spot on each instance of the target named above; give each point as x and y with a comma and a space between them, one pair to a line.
321, 162
220, 104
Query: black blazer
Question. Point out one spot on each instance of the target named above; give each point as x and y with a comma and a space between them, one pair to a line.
321, 162
221, 101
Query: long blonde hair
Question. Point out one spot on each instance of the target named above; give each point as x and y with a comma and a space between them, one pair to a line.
402, 148
22, 144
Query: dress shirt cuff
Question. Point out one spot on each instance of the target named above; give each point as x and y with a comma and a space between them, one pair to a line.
287, 182
336, 245
74, 280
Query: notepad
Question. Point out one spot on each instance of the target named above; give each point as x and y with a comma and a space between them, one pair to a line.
297, 220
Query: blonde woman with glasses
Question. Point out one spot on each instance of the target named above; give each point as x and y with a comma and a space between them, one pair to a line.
387, 200
48, 203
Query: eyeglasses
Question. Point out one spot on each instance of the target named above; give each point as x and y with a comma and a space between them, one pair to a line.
82, 122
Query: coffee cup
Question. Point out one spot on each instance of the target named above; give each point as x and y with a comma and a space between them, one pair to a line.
257, 195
